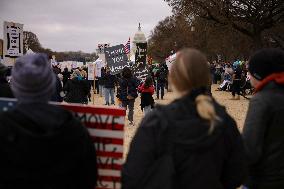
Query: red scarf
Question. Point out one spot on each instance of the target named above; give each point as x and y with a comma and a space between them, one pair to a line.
276, 77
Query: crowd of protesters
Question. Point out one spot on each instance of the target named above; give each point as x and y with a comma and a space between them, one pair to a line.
190, 143
232, 77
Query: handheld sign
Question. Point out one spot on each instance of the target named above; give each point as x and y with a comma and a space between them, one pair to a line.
91, 71
116, 58
140, 69
106, 128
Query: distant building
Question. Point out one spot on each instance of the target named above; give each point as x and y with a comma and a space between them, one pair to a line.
139, 37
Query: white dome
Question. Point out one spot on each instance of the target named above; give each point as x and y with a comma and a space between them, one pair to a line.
139, 36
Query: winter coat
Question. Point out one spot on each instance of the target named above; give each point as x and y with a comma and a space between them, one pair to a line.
127, 87
56, 97
146, 96
44, 146
77, 91
201, 160
109, 81
66, 75
5, 90
264, 138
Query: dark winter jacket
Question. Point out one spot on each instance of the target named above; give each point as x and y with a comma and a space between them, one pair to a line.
102, 78
66, 75
264, 138
44, 147
109, 81
56, 97
77, 91
5, 90
202, 160
127, 87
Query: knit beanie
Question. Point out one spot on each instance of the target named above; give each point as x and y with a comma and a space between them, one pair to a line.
266, 62
33, 80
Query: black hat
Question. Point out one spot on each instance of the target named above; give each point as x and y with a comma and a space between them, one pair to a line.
266, 62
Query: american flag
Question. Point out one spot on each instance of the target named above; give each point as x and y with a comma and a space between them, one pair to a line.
127, 47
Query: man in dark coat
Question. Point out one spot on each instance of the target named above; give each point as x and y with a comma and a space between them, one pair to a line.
77, 89
5, 90
109, 86
264, 126
42, 145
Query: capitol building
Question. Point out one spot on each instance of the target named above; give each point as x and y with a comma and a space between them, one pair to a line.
139, 37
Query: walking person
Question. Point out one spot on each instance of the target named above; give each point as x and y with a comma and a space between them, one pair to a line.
101, 82
236, 86
147, 90
66, 76
127, 92
109, 87
42, 145
263, 132
161, 82
190, 143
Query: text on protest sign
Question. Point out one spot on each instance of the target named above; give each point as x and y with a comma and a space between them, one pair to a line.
13, 40
116, 58
106, 128
140, 68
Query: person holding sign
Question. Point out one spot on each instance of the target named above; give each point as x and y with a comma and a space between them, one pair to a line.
190, 143
42, 145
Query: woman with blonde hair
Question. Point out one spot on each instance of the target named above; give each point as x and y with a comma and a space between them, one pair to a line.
190, 143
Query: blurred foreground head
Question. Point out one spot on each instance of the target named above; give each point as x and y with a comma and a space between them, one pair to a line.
190, 71
266, 62
33, 80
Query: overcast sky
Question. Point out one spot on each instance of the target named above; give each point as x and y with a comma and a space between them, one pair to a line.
64, 25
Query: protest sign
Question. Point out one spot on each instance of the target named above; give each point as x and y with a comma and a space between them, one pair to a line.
106, 128
140, 68
116, 58
13, 42
91, 71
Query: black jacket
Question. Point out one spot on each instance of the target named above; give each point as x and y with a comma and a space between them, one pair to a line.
5, 90
56, 97
109, 81
127, 87
42, 147
77, 91
202, 161
264, 138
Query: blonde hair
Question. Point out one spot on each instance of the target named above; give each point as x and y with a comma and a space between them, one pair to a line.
191, 71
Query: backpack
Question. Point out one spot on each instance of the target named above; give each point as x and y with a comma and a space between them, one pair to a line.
162, 172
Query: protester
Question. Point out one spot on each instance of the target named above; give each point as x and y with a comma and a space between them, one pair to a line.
5, 90
191, 143
42, 145
58, 93
110, 81
127, 92
66, 76
161, 82
236, 86
77, 89
147, 90
263, 131
101, 82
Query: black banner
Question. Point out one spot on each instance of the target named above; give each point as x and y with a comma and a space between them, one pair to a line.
140, 67
116, 58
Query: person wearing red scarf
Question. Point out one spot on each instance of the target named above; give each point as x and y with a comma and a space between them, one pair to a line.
263, 132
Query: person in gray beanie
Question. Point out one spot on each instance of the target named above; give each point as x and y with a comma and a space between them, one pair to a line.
42, 145
33, 79
263, 131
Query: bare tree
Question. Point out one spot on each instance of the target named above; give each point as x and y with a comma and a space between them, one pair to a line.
250, 17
